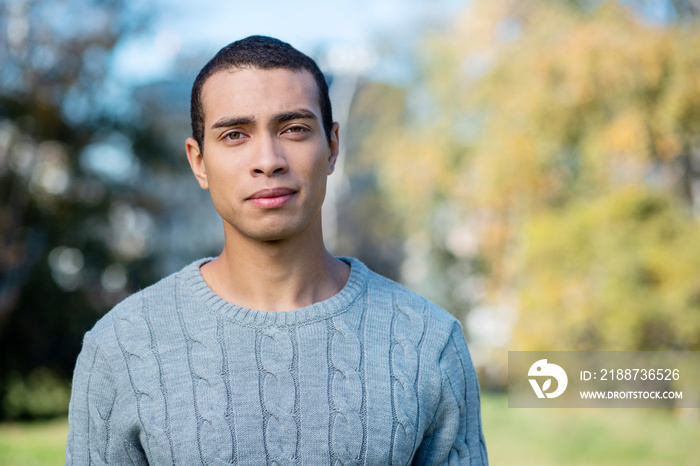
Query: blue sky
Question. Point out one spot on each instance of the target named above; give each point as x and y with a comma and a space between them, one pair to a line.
204, 26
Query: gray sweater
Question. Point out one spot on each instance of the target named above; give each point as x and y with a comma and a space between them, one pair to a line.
374, 375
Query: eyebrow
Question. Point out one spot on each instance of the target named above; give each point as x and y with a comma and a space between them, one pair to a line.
294, 115
229, 121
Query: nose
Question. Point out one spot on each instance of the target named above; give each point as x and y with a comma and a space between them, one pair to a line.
268, 158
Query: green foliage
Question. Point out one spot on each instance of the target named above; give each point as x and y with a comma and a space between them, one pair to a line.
615, 273
40, 395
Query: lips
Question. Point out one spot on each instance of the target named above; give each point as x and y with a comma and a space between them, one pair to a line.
272, 198
270, 193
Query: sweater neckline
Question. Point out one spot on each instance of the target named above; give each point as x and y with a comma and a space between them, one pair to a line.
330, 307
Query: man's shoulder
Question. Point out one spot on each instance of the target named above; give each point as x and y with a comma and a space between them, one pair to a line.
406, 301
136, 308
416, 324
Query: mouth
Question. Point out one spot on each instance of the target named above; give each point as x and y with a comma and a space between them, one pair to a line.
272, 198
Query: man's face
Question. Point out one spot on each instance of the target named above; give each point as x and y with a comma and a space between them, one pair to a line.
267, 156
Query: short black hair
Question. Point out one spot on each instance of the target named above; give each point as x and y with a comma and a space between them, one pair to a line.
263, 53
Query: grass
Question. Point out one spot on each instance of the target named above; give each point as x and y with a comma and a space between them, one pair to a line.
33, 443
619, 437
542, 437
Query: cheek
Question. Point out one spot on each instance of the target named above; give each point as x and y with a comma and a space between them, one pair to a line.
221, 168
319, 173
321, 182
223, 181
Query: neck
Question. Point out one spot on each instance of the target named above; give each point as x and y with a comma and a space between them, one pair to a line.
275, 275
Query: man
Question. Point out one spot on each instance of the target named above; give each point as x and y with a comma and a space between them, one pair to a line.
275, 352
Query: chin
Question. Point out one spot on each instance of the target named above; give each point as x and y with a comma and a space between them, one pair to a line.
278, 229
271, 235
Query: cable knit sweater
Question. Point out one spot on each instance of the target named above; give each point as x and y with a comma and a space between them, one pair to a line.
374, 375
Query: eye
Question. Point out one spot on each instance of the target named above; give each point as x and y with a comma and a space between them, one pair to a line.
296, 129
235, 135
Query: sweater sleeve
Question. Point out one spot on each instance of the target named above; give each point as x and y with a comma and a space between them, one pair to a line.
455, 436
92, 432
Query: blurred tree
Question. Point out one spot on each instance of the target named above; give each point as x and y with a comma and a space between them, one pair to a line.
74, 232
619, 273
520, 115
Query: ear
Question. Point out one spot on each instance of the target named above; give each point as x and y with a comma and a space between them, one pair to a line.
196, 158
334, 146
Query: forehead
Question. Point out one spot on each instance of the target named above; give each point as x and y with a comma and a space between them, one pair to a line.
258, 92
